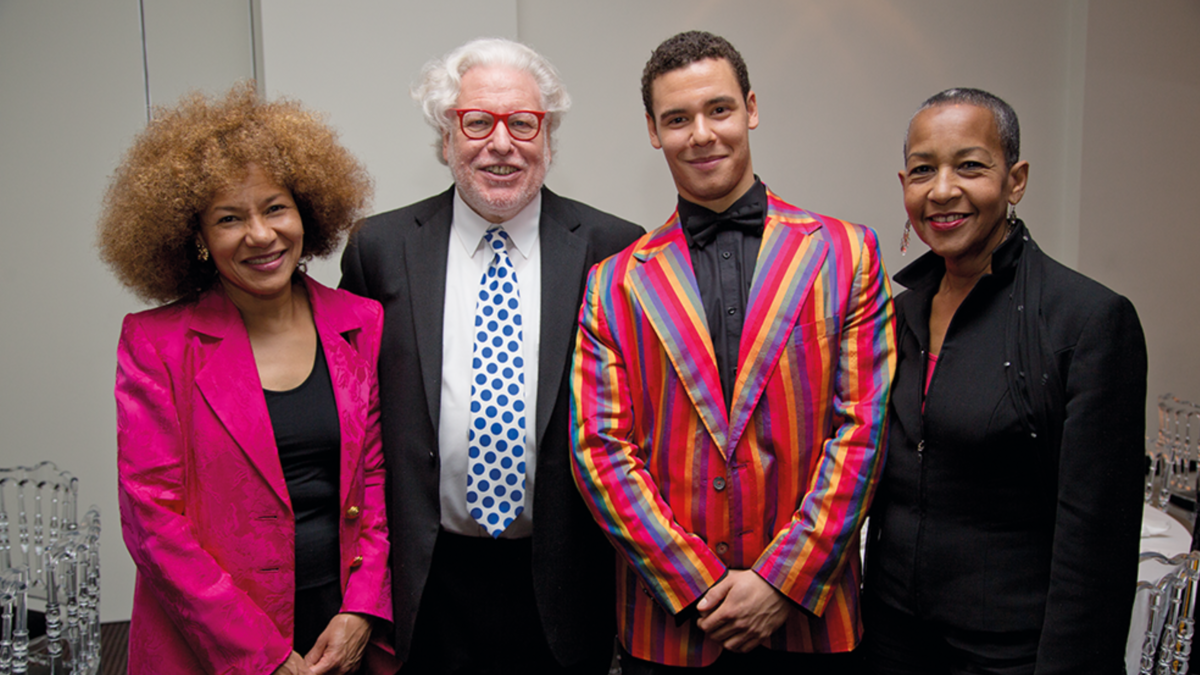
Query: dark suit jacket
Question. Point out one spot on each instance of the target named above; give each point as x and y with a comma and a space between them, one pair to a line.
399, 259
977, 524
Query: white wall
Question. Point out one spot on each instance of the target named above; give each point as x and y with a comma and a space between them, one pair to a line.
72, 95
355, 61
67, 71
1141, 172
1107, 92
196, 45
836, 83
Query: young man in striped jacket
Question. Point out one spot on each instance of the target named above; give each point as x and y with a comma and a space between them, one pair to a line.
729, 394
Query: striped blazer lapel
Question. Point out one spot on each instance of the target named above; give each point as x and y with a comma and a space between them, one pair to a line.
665, 286
789, 261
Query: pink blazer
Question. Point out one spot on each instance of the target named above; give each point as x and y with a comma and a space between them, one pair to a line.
204, 506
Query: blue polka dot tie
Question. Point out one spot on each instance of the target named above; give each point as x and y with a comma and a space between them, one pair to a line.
496, 439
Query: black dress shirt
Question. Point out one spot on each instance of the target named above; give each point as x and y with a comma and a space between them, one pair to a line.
724, 249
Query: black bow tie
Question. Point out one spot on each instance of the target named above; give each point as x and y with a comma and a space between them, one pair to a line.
704, 226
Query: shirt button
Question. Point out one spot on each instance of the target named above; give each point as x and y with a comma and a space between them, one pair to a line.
357, 562
726, 254
718, 483
731, 311
352, 513
722, 548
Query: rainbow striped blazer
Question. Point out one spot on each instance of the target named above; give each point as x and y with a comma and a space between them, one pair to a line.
779, 484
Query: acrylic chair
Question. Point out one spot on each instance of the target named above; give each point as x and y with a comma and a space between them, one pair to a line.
49, 560
1167, 626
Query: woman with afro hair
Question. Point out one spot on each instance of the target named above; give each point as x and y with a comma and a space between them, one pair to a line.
251, 475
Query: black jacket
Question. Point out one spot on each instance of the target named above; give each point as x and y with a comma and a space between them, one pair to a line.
1013, 501
399, 258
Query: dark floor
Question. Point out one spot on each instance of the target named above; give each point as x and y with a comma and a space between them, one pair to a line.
114, 648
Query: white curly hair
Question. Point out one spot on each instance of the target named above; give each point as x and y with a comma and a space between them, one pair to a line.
440, 81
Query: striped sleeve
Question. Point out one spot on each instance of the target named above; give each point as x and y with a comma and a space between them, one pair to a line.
610, 470
806, 559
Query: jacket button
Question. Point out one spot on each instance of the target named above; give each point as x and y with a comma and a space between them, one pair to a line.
722, 548
718, 483
352, 513
357, 562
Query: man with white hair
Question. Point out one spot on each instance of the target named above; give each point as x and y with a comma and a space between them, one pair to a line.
496, 564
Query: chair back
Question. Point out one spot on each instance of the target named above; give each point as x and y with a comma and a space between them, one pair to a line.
14, 629
49, 555
1169, 626
37, 505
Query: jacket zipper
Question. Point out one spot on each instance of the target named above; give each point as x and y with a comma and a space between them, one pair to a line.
916, 589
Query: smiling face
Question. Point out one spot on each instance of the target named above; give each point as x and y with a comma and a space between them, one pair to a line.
956, 186
702, 124
497, 176
254, 235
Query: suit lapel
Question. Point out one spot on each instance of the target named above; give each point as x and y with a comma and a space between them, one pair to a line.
665, 285
789, 261
348, 373
228, 381
425, 264
564, 256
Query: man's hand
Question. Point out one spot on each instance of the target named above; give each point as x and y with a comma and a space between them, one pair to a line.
340, 646
742, 610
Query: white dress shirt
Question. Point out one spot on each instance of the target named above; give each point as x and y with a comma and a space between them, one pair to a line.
466, 262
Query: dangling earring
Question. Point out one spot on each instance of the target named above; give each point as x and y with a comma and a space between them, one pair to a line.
202, 251
1012, 215
904, 237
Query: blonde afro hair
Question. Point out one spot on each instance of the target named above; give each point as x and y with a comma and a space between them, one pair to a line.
148, 228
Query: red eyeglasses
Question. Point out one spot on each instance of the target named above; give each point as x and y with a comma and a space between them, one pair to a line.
478, 124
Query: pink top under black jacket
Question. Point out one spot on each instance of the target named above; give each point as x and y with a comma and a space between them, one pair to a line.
204, 506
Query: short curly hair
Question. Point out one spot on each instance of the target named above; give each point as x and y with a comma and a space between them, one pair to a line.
684, 49
190, 152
